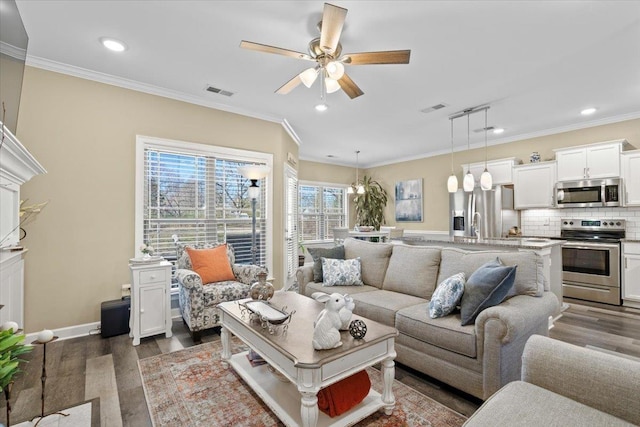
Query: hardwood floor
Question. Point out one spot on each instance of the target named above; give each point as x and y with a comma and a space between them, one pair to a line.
84, 368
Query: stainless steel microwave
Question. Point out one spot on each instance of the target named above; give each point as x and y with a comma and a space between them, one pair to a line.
591, 193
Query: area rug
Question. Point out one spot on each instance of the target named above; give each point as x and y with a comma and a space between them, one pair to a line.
190, 387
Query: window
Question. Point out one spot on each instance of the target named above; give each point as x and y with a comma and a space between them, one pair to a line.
322, 207
195, 191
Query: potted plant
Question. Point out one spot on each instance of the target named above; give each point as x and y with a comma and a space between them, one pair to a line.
301, 255
11, 347
370, 205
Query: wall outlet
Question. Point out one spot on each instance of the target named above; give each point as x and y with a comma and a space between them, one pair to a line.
126, 290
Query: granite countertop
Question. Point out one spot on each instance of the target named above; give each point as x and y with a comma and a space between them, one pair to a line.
507, 242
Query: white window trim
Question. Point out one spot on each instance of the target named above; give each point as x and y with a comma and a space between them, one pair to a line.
327, 184
143, 142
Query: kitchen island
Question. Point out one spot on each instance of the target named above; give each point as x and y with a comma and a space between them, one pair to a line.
550, 251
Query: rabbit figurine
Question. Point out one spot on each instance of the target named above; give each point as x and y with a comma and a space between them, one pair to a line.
345, 312
326, 334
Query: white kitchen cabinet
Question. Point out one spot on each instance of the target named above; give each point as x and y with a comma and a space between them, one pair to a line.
601, 160
631, 273
501, 170
150, 300
631, 177
533, 185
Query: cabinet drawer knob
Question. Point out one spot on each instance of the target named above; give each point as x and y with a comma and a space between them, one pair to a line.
152, 277
141, 310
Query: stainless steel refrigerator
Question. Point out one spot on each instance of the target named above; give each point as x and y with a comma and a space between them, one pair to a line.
484, 214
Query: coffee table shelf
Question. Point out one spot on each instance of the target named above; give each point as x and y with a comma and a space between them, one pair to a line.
283, 397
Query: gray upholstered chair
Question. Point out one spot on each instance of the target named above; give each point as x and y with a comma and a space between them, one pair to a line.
198, 301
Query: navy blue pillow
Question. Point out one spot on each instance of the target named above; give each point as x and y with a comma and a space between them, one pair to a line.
336, 252
486, 287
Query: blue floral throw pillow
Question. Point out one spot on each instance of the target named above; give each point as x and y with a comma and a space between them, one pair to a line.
447, 296
341, 272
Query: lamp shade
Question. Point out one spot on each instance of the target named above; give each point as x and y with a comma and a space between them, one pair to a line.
331, 85
350, 190
360, 189
452, 183
309, 76
254, 192
486, 181
468, 182
335, 70
254, 171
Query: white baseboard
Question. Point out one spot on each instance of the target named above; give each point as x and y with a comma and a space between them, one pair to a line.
69, 332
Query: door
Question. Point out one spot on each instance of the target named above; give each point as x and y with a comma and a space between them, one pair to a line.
631, 177
631, 265
291, 225
533, 185
152, 309
572, 164
603, 161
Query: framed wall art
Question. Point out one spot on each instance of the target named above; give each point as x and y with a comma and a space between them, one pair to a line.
409, 200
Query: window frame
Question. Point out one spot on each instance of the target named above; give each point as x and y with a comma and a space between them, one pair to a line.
322, 185
147, 142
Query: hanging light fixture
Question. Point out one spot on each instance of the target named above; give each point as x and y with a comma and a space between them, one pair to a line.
486, 181
309, 76
356, 187
322, 106
468, 182
452, 182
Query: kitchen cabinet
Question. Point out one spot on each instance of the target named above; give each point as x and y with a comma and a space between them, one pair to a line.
631, 177
533, 185
501, 170
601, 160
150, 300
631, 274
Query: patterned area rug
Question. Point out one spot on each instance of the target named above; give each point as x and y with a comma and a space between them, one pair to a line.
191, 388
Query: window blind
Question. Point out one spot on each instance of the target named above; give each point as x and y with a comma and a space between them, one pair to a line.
321, 209
292, 222
201, 199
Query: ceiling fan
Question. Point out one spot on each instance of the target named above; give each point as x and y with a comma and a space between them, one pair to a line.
326, 52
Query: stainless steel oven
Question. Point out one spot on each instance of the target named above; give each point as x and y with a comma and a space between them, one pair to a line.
591, 259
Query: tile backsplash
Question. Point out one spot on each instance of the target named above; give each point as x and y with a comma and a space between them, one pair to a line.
546, 222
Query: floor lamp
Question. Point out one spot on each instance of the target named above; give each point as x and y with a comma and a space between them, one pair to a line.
254, 173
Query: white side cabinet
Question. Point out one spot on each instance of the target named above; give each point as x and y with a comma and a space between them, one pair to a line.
631, 177
150, 300
533, 185
631, 273
601, 160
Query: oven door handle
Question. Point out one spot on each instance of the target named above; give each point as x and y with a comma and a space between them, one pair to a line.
591, 245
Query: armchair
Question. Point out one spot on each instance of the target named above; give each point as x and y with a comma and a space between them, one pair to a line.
199, 301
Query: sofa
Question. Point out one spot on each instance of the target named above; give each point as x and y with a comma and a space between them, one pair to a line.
398, 281
198, 301
565, 385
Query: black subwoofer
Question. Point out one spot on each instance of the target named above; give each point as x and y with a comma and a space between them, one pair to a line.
114, 317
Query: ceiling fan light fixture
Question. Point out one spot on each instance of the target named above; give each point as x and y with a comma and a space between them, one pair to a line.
309, 76
331, 85
335, 70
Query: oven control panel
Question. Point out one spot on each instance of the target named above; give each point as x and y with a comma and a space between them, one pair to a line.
592, 224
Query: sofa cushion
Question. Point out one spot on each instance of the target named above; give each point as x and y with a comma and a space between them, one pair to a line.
412, 270
487, 286
381, 305
318, 287
523, 404
529, 277
211, 264
373, 256
341, 272
447, 296
337, 252
444, 332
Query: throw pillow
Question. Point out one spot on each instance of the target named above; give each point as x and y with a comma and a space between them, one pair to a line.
341, 272
211, 264
337, 252
447, 296
486, 287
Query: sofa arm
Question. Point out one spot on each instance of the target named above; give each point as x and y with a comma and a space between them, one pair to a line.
188, 279
602, 381
247, 273
304, 275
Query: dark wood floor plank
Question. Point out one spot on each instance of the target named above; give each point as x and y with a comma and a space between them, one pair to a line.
134, 408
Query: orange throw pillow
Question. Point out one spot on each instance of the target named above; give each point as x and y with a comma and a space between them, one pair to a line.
211, 264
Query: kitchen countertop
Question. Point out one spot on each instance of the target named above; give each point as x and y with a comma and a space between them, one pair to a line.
533, 243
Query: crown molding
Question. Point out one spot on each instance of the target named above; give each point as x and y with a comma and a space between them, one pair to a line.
292, 133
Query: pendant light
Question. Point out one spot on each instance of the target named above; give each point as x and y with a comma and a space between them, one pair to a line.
452, 182
356, 187
486, 181
469, 181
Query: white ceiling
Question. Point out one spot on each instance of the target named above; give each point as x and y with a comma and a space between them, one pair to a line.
537, 63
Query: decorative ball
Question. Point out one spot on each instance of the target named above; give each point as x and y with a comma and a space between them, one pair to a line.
9, 325
357, 329
45, 336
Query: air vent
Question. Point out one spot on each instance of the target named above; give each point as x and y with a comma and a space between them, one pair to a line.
433, 108
489, 129
219, 91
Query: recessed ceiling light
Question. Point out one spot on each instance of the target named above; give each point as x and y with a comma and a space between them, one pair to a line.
321, 107
588, 111
498, 130
113, 44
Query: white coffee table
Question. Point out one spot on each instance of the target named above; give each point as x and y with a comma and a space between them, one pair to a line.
303, 371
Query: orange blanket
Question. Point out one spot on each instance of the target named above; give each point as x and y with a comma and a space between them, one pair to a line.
344, 395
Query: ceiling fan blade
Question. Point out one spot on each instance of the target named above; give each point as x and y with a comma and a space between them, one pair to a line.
383, 57
272, 49
332, 22
349, 87
290, 85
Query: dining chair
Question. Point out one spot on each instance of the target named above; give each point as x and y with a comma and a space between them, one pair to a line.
339, 234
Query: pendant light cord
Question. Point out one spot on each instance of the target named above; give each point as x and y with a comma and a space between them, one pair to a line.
485, 139
451, 146
468, 144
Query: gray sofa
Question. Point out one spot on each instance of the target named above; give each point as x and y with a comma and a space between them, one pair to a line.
565, 385
398, 282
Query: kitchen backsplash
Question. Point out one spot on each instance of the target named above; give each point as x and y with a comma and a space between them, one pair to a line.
546, 222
